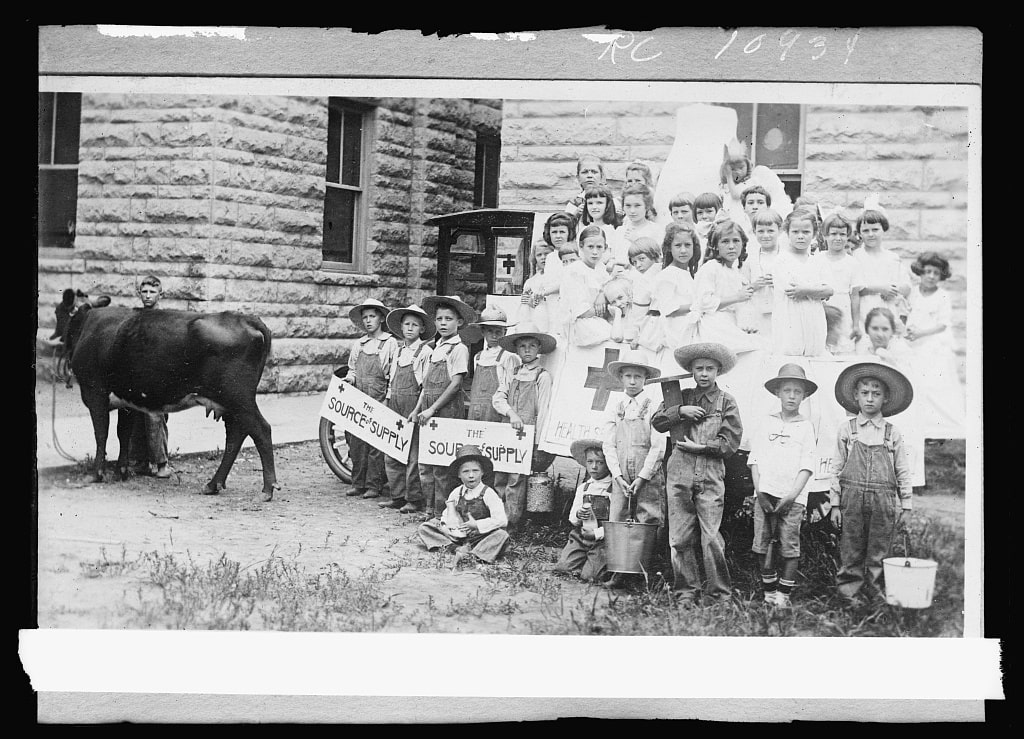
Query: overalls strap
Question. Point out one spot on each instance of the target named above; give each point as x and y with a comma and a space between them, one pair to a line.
853, 428
419, 349
888, 436
644, 406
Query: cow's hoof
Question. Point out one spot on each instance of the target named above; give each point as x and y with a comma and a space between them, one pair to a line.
268, 495
210, 489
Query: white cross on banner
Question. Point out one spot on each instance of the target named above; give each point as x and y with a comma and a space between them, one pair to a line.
355, 412
510, 450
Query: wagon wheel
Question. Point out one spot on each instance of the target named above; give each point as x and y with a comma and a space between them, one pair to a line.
335, 451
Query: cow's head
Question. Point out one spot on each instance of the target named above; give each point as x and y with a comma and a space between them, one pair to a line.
73, 331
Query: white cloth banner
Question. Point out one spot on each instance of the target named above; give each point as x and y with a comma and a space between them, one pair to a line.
510, 450
355, 412
583, 389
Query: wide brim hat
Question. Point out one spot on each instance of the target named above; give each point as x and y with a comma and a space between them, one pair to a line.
356, 314
394, 321
726, 358
465, 311
579, 448
489, 316
633, 358
469, 452
791, 372
547, 341
900, 392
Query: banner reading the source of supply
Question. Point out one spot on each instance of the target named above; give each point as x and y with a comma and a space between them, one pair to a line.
510, 450
355, 412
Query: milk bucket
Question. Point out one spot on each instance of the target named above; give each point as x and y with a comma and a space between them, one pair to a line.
540, 493
909, 581
629, 545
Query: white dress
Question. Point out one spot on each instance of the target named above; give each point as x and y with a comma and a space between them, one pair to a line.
840, 274
881, 266
673, 287
798, 325
579, 289
623, 237
709, 322
540, 314
757, 312
934, 364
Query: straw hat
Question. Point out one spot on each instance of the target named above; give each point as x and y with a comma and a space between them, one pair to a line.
791, 372
356, 314
633, 358
489, 316
547, 341
395, 318
470, 452
900, 391
685, 355
579, 448
465, 311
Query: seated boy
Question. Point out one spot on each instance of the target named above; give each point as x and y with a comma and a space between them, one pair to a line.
871, 490
584, 553
474, 516
708, 421
782, 452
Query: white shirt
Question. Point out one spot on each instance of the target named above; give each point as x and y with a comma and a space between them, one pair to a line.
579, 288
780, 450
457, 359
488, 357
497, 520
597, 487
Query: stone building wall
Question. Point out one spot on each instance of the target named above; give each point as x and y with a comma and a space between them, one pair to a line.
915, 158
222, 198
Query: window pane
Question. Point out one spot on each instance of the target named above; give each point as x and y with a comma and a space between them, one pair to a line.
491, 169
334, 115
45, 127
778, 136
58, 200
339, 224
351, 148
69, 121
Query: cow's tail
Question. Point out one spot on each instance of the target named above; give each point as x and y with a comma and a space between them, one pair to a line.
260, 348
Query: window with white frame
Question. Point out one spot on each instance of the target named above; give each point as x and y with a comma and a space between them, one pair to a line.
60, 118
344, 200
773, 135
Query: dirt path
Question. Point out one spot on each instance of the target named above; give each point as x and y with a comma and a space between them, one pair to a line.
89, 532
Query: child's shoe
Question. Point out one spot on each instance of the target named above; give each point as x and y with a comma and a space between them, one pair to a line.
163, 471
356, 491
771, 597
782, 600
399, 503
411, 507
371, 494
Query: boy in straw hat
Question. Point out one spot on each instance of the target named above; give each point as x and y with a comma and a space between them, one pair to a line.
442, 394
369, 363
584, 553
712, 430
782, 456
871, 489
493, 365
633, 449
474, 517
415, 328
524, 398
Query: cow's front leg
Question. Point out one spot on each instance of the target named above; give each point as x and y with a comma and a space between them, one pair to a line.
233, 438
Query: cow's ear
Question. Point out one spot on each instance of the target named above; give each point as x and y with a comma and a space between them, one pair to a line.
100, 301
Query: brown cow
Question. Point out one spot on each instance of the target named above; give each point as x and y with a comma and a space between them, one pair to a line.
162, 361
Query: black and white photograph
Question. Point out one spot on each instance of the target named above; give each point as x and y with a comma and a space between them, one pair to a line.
459, 359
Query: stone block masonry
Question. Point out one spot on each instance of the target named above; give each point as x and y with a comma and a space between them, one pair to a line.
222, 197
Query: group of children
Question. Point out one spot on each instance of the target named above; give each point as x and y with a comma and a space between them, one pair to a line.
665, 465
611, 268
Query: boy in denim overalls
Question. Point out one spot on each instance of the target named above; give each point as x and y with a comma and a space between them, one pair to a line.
711, 431
871, 490
369, 370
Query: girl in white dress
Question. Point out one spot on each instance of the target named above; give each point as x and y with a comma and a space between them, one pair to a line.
638, 203
757, 272
599, 210
930, 339
535, 307
883, 280
718, 290
645, 261
840, 271
798, 317
673, 287
881, 340
583, 303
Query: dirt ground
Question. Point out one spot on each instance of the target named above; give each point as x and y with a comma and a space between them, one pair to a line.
310, 523
88, 533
